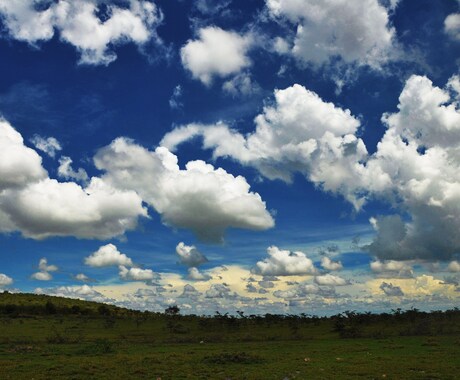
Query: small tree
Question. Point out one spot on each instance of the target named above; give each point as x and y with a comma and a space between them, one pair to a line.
172, 310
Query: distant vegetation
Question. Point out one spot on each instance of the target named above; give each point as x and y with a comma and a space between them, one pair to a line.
51, 337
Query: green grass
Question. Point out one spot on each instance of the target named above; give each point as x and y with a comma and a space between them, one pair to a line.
134, 345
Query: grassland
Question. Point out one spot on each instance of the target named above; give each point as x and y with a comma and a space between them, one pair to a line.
55, 338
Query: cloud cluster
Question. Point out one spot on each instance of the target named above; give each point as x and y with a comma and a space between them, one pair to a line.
216, 52
79, 24
44, 271
284, 263
49, 145
201, 198
356, 31
391, 290
328, 264
415, 166
84, 292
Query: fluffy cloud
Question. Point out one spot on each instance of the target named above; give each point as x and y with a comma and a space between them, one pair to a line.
216, 52
189, 255
51, 208
330, 280
415, 166
195, 275
5, 280
108, 255
419, 152
392, 268
42, 276
357, 31
66, 171
299, 133
19, 165
49, 145
82, 277
137, 274
391, 290
284, 263
328, 264
452, 26
77, 23
83, 292
218, 291
44, 267
199, 197
44, 271
454, 266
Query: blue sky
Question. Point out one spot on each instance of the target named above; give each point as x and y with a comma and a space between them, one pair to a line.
270, 156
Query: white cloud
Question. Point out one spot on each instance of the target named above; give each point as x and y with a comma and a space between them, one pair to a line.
414, 169
240, 84
42, 276
66, 171
391, 290
175, 100
284, 263
328, 264
44, 267
5, 280
390, 268
50, 208
330, 280
137, 274
199, 197
40, 207
299, 133
216, 52
108, 255
189, 255
82, 277
49, 145
83, 292
452, 26
19, 165
454, 266
77, 23
357, 31
218, 291
195, 275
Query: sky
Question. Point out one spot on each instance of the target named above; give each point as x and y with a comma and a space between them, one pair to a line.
270, 156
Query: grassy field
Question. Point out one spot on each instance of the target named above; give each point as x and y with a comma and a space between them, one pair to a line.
67, 339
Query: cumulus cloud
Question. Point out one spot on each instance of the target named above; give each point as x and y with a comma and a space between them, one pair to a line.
241, 84
51, 208
5, 280
195, 275
49, 145
82, 277
201, 198
137, 274
78, 24
44, 271
216, 52
356, 31
414, 169
452, 26
190, 255
83, 292
331, 280
391, 290
303, 290
328, 264
454, 266
42, 276
66, 171
218, 291
19, 165
392, 268
284, 263
44, 267
106, 256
